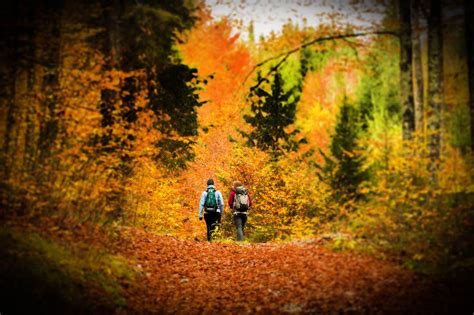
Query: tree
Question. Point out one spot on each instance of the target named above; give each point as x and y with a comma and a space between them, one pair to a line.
10, 66
435, 82
406, 82
111, 48
89, 91
417, 66
49, 127
285, 55
33, 41
273, 112
365, 105
305, 63
178, 99
171, 84
344, 169
469, 31
130, 44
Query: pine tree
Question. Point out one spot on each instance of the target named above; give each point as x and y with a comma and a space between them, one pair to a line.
272, 113
344, 170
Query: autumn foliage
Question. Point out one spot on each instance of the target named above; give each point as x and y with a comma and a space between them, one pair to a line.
111, 128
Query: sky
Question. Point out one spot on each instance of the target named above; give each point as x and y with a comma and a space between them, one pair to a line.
270, 15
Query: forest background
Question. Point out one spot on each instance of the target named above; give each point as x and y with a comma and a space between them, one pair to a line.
116, 113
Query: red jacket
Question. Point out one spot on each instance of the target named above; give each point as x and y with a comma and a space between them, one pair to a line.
232, 196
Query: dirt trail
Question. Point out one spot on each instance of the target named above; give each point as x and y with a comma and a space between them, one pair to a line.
188, 277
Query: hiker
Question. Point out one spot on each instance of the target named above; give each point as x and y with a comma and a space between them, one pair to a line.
212, 204
240, 202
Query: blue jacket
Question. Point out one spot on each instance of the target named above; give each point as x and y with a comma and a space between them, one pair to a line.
219, 200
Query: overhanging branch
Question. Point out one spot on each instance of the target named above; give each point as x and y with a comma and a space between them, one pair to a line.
287, 54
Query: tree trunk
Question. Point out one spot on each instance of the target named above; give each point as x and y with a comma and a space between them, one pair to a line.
31, 109
10, 123
8, 100
435, 82
113, 11
406, 82
14, 79
469, 31
111, 49
417, 67
51, 45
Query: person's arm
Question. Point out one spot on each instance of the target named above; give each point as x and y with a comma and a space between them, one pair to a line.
231, 199
220, 202
201, 203
250, 201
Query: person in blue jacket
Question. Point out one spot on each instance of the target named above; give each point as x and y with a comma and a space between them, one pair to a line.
212, 204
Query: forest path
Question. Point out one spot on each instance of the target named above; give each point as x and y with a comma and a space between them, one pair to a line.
188, 277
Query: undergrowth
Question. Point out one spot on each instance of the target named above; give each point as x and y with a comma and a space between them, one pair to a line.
37, 273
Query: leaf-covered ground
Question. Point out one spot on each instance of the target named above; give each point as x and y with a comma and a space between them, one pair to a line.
190, 277
133, 272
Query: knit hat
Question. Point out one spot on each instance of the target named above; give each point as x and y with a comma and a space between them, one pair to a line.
210, 182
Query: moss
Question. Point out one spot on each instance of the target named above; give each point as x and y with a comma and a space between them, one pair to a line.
41, 275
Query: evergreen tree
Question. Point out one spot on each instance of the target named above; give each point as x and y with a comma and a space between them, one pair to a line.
132, 44
305, 63
272, 113
177, 98
344, 170
365, 104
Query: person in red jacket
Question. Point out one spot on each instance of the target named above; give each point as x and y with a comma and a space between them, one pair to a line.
240, 202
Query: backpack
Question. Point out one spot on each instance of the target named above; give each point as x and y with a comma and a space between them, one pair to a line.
211, 201
241, 200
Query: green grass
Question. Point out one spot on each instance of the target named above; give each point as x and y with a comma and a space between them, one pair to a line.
41, 275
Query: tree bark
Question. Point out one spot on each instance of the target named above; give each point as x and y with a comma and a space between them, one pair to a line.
406, 82
469, 31
417, 67
435, 82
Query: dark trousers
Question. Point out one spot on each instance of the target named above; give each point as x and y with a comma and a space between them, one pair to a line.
239, 220
212, 222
